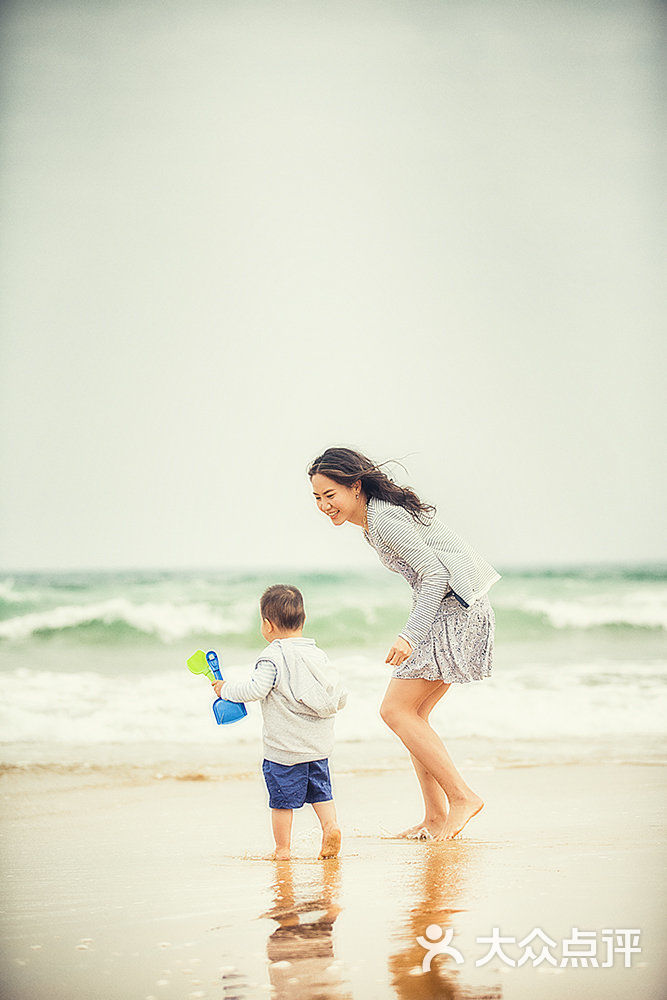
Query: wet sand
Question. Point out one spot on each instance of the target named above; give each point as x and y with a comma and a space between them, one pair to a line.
154, 887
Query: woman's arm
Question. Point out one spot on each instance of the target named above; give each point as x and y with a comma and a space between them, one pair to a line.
255, 688
397, 529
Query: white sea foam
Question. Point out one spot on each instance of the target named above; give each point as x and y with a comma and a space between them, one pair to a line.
357, 612
11, 595
642, 608
531, 702
167, 620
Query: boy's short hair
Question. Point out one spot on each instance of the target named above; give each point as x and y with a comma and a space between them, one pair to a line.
282, 604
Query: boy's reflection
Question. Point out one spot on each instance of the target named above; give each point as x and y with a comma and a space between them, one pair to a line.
300, 950
438, 886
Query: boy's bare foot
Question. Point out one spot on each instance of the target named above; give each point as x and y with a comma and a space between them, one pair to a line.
280, 854
460, 811
330, 842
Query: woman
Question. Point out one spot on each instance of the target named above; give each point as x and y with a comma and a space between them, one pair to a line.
448, 637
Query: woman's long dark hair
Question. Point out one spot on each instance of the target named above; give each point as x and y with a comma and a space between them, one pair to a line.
346, 466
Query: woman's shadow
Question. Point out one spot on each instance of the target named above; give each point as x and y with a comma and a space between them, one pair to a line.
300, 950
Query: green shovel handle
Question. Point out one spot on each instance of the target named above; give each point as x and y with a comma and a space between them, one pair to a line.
198, 664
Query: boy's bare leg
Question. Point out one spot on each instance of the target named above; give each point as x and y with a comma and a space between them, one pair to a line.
281, 821
331, 837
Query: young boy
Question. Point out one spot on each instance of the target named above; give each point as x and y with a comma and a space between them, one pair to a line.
300, 696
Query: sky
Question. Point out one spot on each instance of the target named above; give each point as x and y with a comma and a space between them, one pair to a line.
238, 233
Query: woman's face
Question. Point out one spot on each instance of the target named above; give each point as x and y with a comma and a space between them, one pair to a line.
336, 501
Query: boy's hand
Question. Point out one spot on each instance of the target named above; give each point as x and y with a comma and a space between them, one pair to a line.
217, 686
398, 652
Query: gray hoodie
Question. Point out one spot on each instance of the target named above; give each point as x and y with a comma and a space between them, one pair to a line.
299, 706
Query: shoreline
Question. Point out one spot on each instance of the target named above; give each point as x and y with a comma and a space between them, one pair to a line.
223, 756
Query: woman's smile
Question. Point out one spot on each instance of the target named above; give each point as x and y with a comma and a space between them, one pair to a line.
327, 492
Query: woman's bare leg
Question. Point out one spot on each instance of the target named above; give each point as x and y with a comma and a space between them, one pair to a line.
399, 710
435, 800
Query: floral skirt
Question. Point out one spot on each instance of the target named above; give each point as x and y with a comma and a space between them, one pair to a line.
458, 647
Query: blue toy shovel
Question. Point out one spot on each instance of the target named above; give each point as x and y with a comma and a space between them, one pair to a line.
223, 710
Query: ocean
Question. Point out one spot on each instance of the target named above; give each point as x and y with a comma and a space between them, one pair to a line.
92, 666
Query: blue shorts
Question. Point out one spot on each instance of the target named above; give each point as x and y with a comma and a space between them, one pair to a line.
291, 785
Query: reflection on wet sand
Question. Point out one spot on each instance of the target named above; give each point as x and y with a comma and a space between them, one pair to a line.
300, 951
435, 878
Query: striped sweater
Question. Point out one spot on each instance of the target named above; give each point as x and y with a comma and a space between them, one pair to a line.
440, 560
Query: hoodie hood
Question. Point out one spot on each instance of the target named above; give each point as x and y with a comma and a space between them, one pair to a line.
307, 677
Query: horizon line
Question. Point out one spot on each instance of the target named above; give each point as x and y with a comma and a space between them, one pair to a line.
295, 568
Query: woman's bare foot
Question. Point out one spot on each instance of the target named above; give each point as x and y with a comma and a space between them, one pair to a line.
425, 830
280, 854
460, 811
411, 830
331, 838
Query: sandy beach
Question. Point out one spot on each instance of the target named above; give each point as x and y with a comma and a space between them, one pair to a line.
122, 883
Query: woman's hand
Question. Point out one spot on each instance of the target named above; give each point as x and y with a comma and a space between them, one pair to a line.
217, 685
398, 652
